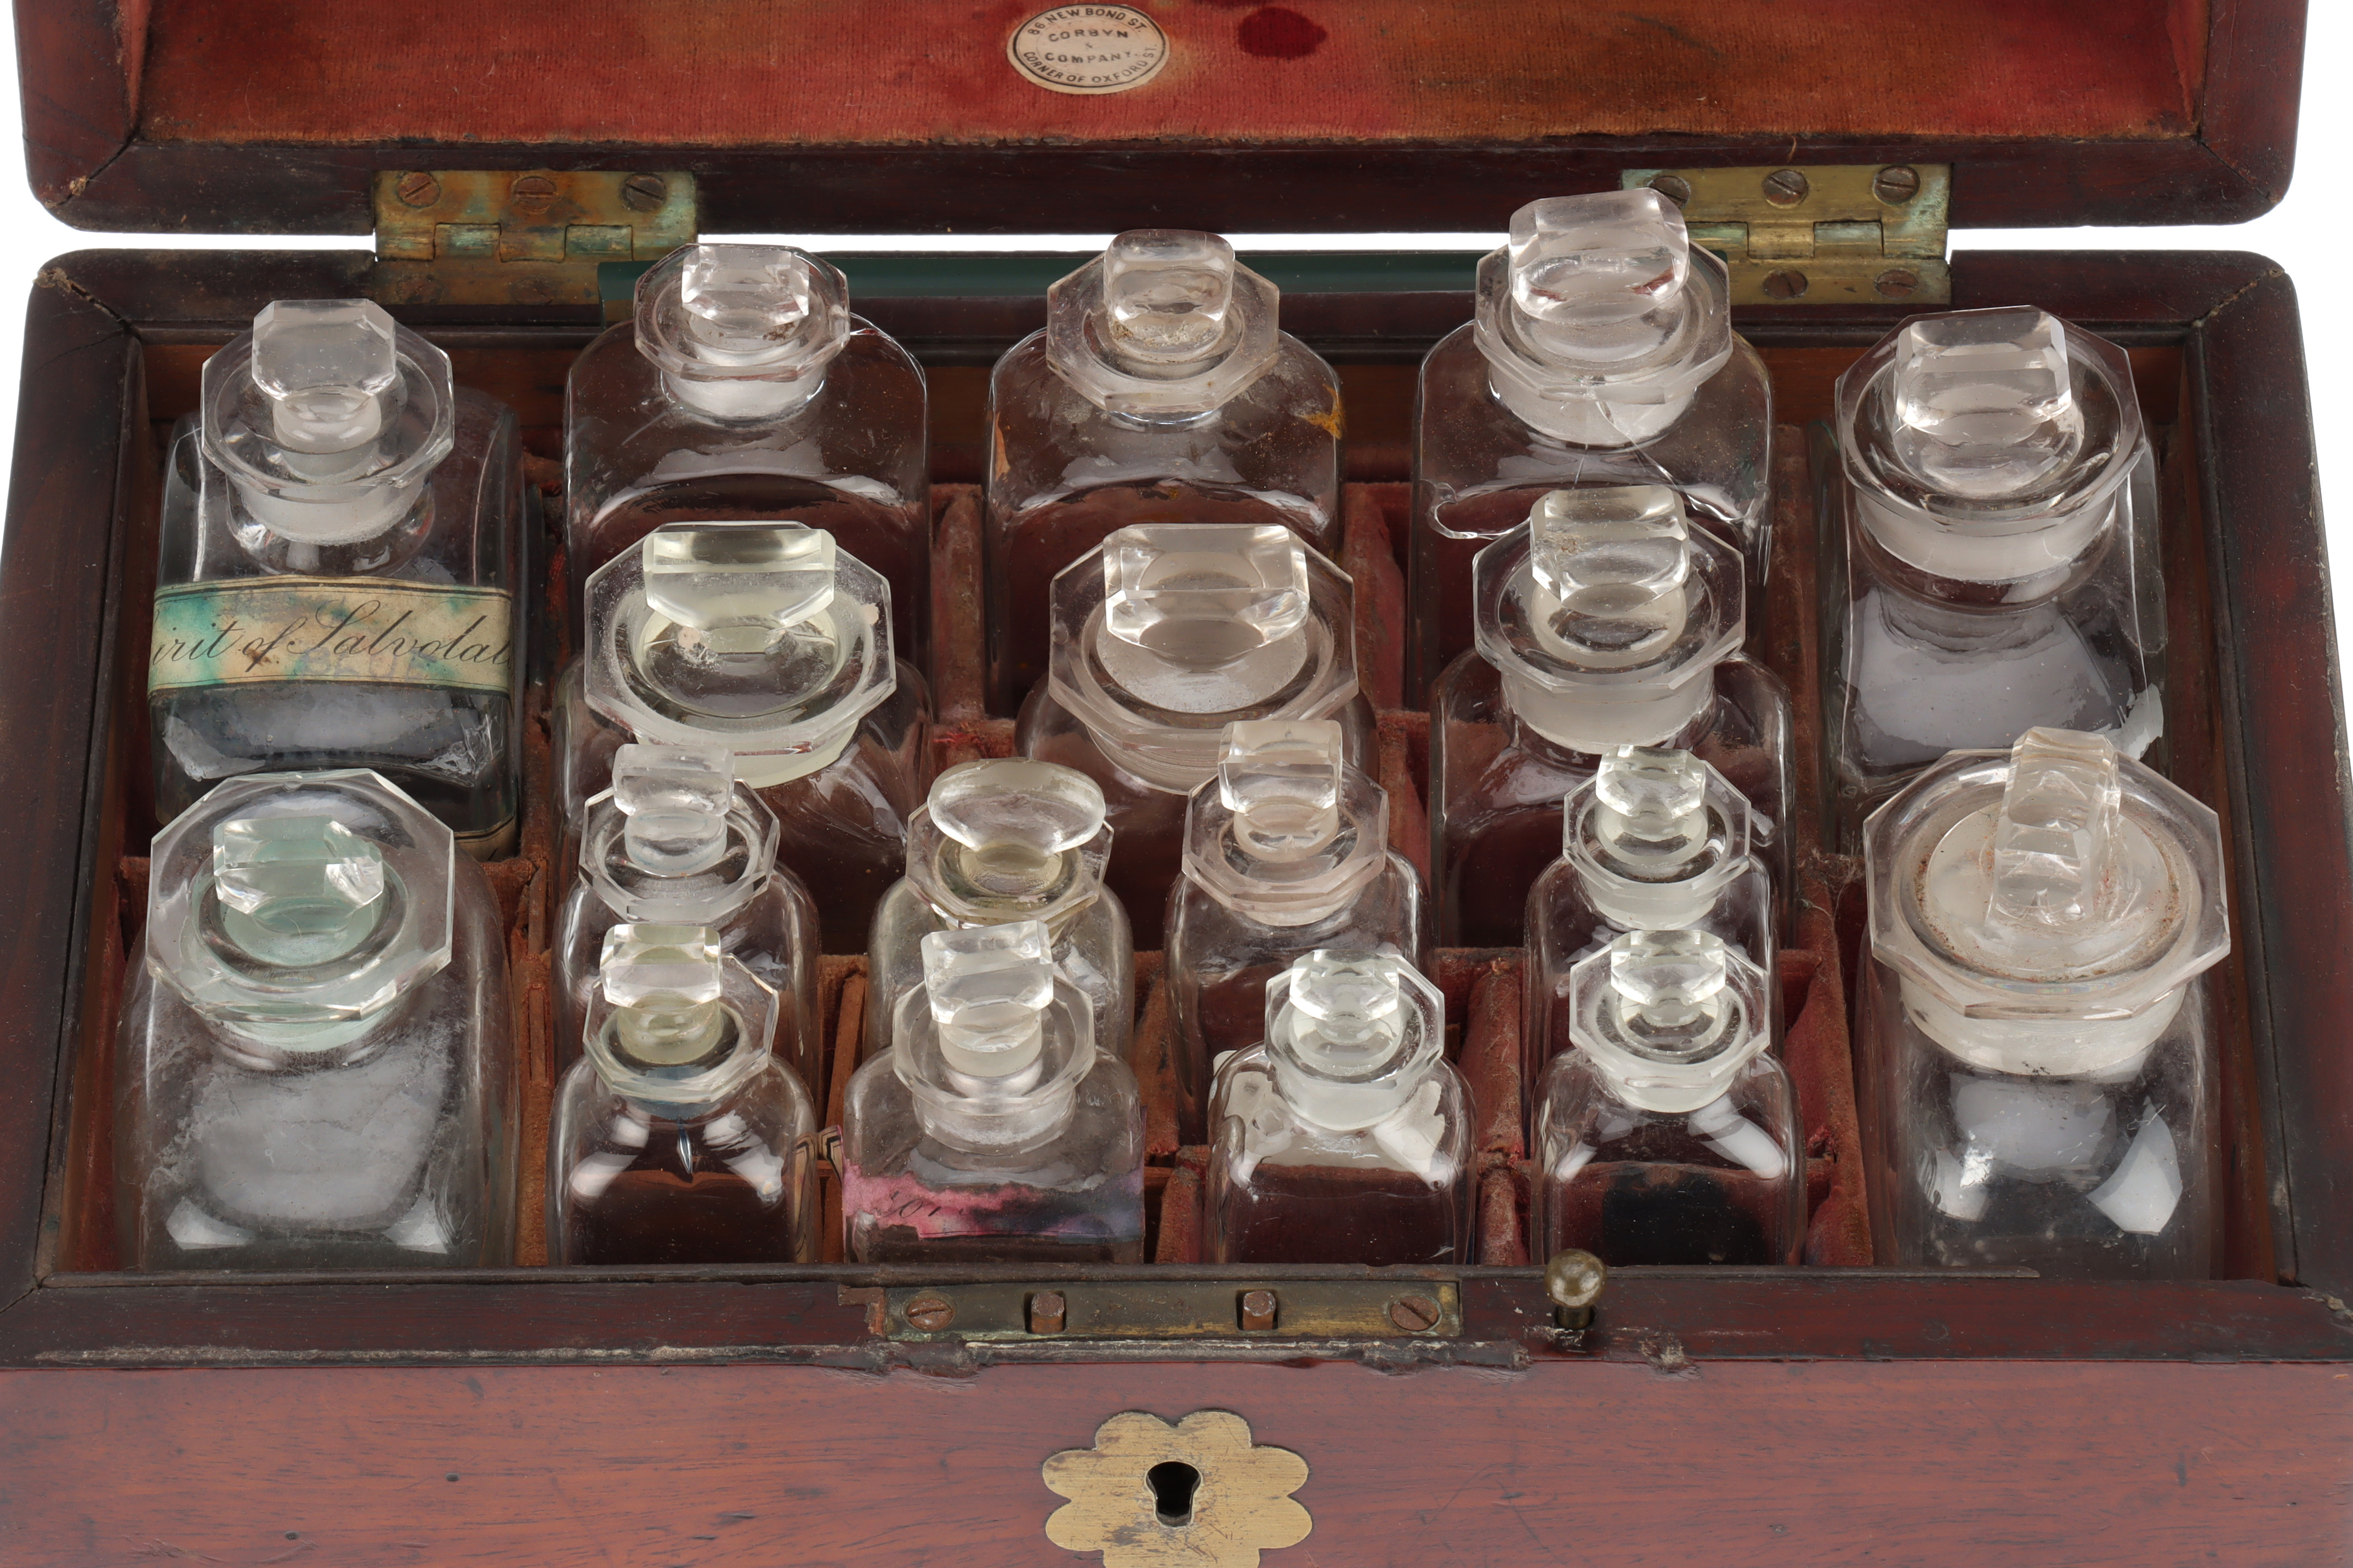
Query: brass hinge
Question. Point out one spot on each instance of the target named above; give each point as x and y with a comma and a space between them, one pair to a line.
1823, 234
532, 237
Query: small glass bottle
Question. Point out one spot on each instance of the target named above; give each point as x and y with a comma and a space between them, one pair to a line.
2038, 1044
1999, 563
1669, 1135
1655, 841
678, 1137
994, 1130
1603, 354
342, 540
676, 841
1287, 851
314, 1057
767, 639
1344, 1135
745, 392
1000, 841
1604, 621
1163, 636
1160, 391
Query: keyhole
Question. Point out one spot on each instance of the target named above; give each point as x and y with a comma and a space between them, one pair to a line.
1172, 1487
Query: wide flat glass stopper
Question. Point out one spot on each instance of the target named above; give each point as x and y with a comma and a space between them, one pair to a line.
1204, 595
1282, 781
742, 585
744, 302
1596, 266
296, 891
1983, 401
676, 799
988, 988
328, 368
1041, 806
1166, 293
2056, 853
1611, 564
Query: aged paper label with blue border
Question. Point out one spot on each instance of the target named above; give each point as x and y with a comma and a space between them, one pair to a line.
382, 632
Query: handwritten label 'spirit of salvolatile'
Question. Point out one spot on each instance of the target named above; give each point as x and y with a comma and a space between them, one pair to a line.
385, 633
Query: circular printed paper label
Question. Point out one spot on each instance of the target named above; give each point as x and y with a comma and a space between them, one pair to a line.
1089, 49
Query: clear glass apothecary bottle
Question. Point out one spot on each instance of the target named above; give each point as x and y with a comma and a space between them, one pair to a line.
2036, 1036
1161, 390
342, 546
1002, 840
1163, 636
1603, 354
1344, 1135
1287, 851
767, 640
679, 1137
1605, 620
1669, 1134
677, 841
1655, 841
1996, 566
994, 1130
314, 1066
745, 391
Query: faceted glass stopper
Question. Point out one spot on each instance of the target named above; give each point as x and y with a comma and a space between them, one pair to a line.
296, 891
676, 799
1984, 403
2057, 860
1282, 781
1666, 985
742, 585
1595, 272
665, 983
1347, 1014
1041, 806
988, 988
1652, 805
1166, 293
1204, 595
1612, 562
328, 368
744, 302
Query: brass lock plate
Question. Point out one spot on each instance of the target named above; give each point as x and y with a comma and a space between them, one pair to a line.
1177, 1310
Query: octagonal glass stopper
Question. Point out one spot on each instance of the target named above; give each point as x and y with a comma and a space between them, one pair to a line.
2057, 864
740, 588
1610, 565
989, 988
1202, 595
296, 891
1281, 779
1652, 806
664, 982
329, 370
1042, 807
1166, 293
676, 799
1984, 403
1665, 986
1593, 274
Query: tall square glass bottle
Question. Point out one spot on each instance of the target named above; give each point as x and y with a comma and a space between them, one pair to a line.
343, 534
1161, 390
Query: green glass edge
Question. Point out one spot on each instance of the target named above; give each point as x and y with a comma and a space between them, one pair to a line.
983, 276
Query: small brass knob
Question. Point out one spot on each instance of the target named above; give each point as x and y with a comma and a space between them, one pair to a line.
1574, 1280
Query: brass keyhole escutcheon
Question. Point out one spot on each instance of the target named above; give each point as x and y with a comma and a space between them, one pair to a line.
1197, 1492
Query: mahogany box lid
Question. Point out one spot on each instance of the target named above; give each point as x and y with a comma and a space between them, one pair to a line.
272, 116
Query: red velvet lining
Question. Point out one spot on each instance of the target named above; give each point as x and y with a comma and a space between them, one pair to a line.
802, 73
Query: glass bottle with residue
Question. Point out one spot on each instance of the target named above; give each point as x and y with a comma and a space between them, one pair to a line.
1655, 841
1603, 354
1161, 390
1163, 636
679, 1137
1000, 841
745, 391
677, 841
315, 1065
994, 1130
1287, 851
1669, 1135
1344, 1135
767, 640
2036, 1034
343, 542
1605, 620
1995, 560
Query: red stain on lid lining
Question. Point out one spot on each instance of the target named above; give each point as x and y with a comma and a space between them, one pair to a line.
1279, 33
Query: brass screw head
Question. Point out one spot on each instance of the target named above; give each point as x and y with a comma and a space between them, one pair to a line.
644, 193
532, 194
1786, 187
1674, 187
1786, 284
1574, 1278
1258, 1310
1896, 184
419, 189
1414, 1314
1896, 283
1048, 1312
930, 1313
